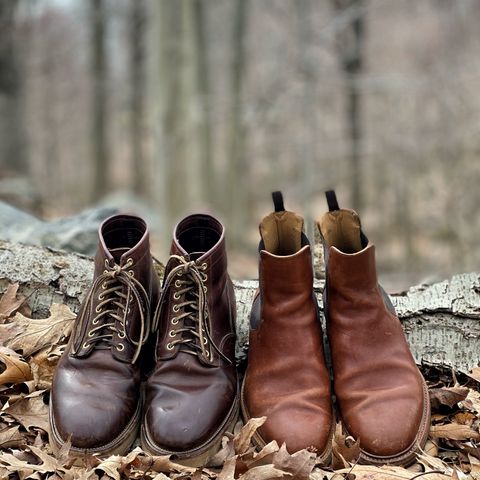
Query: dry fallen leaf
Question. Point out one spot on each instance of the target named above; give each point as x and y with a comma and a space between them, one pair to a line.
9, 303
345, 449
16, 369
448, 396
11, 437
31, 335
30, 412
243, 441
454, 431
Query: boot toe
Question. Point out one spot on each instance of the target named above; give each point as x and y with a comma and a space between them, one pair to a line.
176, 421
298, 430
389, 429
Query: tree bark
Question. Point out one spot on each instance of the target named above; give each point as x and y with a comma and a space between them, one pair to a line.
441, 321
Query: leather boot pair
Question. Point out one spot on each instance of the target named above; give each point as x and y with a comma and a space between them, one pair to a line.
381, 396
126, 324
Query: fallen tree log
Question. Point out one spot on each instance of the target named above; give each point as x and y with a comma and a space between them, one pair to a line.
441, 321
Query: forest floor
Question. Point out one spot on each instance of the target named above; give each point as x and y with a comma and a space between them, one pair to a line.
30, 349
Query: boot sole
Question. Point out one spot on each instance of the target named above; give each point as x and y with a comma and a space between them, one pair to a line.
198, 456
119, 446
408, 456
324, 458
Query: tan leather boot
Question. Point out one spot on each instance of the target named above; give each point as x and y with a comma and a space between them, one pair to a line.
286, 378
192, 394
95, 399
381, 395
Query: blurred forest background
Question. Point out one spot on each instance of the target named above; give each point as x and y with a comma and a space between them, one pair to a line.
192, 105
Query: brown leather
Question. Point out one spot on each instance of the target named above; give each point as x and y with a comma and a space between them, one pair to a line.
95, 394
286, 379
191, 396
379, 389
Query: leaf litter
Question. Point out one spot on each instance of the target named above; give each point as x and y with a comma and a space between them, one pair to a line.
29, 352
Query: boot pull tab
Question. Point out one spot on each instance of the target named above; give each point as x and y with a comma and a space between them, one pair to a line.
332, 200
277, 198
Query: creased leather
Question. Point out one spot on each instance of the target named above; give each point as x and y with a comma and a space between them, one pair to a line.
286, 378
96, 390
187, 400
378, 387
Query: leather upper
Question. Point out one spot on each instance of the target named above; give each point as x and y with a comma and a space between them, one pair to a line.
286, 379
96, 386
189, 394
378, 386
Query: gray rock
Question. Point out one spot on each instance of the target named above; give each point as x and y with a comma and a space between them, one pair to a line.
75, 234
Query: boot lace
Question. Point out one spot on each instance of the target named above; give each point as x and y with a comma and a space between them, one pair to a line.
119, 290
188, 279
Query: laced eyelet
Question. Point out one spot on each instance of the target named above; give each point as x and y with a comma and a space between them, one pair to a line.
95, 321
205, 341
172, 333
176, 296
129, 310
107, 263
207, 354
100, 297
204, 266
91, 334
174, 321
129, 261
131, 273
176, 308
178, 283
104, 286
86, 345
205, 289
170, 346
98, 309
121, 335
120, 347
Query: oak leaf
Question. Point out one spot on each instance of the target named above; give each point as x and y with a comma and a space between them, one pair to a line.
454, 431
448, 396
242, 441
11, 437
31, 335
345, 449
29, 411
9, 303
16, 370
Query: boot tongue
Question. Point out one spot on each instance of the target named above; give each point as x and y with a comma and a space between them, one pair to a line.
195, 255
117, 253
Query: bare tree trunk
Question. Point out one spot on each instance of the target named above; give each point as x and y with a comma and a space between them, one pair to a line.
137, 27
12, 130
208, 175
351, 50
99, 97
237, 184
308, 141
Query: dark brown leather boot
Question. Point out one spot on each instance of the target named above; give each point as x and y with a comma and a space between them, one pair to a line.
286, 379
381, 395
95, 399
191, 396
